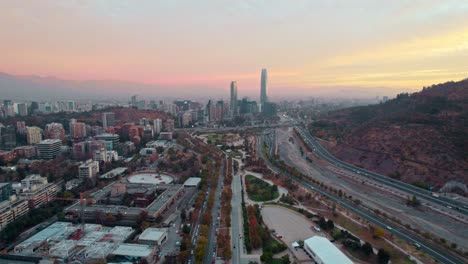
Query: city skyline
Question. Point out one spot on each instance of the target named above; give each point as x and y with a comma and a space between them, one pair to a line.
398, 47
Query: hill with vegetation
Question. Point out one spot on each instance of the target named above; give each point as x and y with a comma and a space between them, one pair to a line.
419, 138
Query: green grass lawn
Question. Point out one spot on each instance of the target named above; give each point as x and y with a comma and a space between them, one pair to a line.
259, 190
215, 139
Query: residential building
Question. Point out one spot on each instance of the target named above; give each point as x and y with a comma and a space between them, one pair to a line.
54, 131
157, 125
77, 129
170, 125
37, 190
33, 135
11, 211
186, 119
100, 155
88, 169
21, 127
26, 152
7, 156
33, 182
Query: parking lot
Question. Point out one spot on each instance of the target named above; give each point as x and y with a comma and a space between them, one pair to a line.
291, 226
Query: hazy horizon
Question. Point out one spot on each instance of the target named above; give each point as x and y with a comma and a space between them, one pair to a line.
187, 48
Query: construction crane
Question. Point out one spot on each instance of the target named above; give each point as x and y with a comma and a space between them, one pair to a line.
82, 201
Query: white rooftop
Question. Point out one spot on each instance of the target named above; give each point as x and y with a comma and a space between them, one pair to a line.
133, 250
192, 181
326, 251
153, 234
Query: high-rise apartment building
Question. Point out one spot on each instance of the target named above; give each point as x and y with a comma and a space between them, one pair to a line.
233, 103
170, 125
21, 127
108, 119
77, 129
263, 88
33, 135
54, 131
157, 125
88, 169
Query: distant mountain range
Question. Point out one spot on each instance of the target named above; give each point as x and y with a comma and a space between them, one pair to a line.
47, 88
30, 87
420, 138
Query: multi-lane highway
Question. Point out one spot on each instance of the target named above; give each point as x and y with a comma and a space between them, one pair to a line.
398, 231
322, 153
211, 248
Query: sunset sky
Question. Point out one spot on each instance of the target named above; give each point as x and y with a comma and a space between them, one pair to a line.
304, 44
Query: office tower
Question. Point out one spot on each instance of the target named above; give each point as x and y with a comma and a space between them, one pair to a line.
33, 135
157, 125
22, 109
219, 111
54, 131
108, 119
134, 100
263, 88
233, 98
49, 148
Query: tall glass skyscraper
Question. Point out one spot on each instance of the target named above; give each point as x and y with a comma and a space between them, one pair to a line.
263, 88
233, 103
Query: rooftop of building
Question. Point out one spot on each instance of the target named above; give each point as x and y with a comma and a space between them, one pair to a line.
50, 141
192, 181
63, 238
133, 250
153, 234
326, 250
169, 191
113, 173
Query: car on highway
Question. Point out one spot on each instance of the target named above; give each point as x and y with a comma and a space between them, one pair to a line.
417, 245
389, 228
